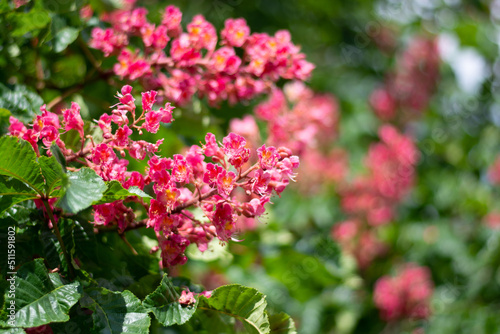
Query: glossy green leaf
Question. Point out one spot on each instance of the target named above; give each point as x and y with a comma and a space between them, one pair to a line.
21, 101
52, 172
18, 160
12, 331
13, 191
84, 188
163, 302
57, 153
242, 303
64, 37
39, 299
116, 312
281, 323
115, 192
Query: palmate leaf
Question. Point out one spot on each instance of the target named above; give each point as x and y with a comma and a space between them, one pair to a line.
116, 312
41, 299
241, 303
163, 302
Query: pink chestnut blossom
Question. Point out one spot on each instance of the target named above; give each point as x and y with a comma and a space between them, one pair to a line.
235, 32
268, 157
225, 183
224, 220
172, 18
187, 298
211, 174
202, 33
234, 148
16, 127
406, 295
152, 121
173, 247
148, 99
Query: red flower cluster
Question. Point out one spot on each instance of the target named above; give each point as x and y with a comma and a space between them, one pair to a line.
46, 127
391, 164
304, 122
413, 82
178, 183
193, 63
406, 295
356, 239
371, 200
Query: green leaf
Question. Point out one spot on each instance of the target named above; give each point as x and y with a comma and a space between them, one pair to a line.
23, 102
31, 21
4, 118
52, 172
163, 302
282, 324
85, 187
84, 240
39, 299
242, 303
12, 331
116, 312
13, 191
18, 160
115, 192
57, 153
64, 37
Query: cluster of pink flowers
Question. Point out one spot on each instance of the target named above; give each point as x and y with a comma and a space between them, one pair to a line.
46, 127
405, 296
359, 240
178, 183
371, 200
411, 85
244, 66
391, 165
306, 123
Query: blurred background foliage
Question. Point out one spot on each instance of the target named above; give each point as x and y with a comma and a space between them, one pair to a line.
291, 256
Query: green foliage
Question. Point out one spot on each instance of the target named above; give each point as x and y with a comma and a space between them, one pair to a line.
164, 303
21, 101
234, 302
43, 57
116, 312
13, 191
40, 297
18, 160
115, 192
84, 188
282, 324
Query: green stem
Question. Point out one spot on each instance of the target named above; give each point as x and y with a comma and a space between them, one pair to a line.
59, 238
